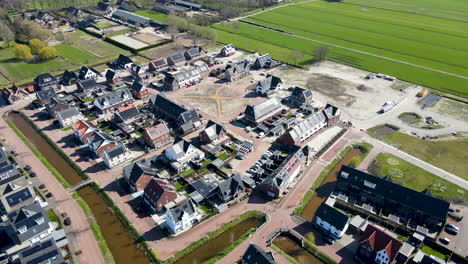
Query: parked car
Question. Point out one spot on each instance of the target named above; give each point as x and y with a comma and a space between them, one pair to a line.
444, 240
452, 226
451, 209
229, 166
451, 231
240, 157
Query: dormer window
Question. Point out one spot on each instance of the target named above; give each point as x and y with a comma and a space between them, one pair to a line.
40, 221
344, 174
22, 229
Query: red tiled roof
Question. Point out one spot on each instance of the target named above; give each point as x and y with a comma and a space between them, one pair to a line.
157, 130
379, 240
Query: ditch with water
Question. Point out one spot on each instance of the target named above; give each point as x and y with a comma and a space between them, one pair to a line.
328, 184
122, 246
293, 249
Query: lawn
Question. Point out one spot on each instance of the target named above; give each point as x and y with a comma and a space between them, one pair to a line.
119, 32
416, 178
102, 49
75, 55
103, 24
417, 39
428, 250
54, 218
448, 154
33, 4
151, 14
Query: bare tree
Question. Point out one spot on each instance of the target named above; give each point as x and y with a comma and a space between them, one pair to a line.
321, 53
6, 34
172, 30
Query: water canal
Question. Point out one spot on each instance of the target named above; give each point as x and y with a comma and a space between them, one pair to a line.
328, 184
294, 250
122, 246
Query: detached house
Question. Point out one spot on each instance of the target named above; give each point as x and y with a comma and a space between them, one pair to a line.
228, 50
107, 103
139, 174
214, 133
230, 188
159, 194
301, 96
68, 78
157, 64
256, 114
45, 81
181, 217
181, 153
332, 114
69, 116
123, 62
139, 90
127, 114
254, 254
268, 86
86, 73
104, 8
236, 71
157, 136
12, 95
263, 62
183, 117
331, 220
378, 247
115, 155
99, 142
112, 76
304, 130
193, 53
176, 59
73, 11
43, 96
137, 70
83, 130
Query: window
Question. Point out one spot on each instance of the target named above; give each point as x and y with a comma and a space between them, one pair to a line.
40, 220
22, 229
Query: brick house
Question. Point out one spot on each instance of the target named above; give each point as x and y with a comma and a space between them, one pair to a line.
184, 118
139, 174
127, 114
228, 50
84, 129
157, 64
12, 95
332, 114
158, 193
304, 130
378, 247
214, 133
139, 90
99, 142
300, 96
157, 136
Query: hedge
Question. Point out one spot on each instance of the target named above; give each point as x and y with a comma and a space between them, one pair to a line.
55, 147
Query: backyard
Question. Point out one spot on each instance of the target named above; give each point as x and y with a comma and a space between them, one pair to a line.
416, 178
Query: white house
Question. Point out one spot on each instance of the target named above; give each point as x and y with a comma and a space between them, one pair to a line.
116, 155
86, 73
331, 220
69, 116
181, 153
181, 217
270, 85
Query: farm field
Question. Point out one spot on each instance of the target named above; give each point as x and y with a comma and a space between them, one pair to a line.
416, 178
351, 30
98, 47
54, 4
151, 14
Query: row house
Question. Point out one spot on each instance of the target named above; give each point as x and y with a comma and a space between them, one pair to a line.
8, 170
138, 174
157, 64
69, 116
99, 142
269, 86
304, 130
181, 153
182, 117
275, 184
214, 133
127, 114
419, 208
107, 103
116, 155
41, 252
159, 195
183, 78
157, 136
84, 129
378, 247
236, 71
256, 114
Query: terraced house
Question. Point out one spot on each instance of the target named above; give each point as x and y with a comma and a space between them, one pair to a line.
304, 130
181, 153
182, 117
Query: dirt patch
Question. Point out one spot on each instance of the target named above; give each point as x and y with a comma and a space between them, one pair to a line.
409, 118
330, 86
384, 130
148, 38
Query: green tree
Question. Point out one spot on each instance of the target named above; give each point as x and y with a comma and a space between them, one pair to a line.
23, 52
36, 45
48, 53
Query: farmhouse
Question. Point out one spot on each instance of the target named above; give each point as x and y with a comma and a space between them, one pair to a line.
378, 247
181, 217
157, 136
304, 129
275, 184
228, 50
268, 86
115, 155
69, 116
99, 142
104, 7
45, 81
138, 174
181, 153
84, 129
300, 96
159, 195
105, 104
183, 117
131, 18
405, 204
236, 71
214, 134
331, 220
86, 73
259, 113
157, 64
73, 11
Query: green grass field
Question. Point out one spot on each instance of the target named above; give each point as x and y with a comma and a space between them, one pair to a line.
450, 155
151, 14
103, 25
95, 46
427, 41
418, 179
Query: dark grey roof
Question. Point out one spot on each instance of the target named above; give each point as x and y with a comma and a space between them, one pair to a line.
129, 113
41, 253
192, 52
16, 197
138, 87
102, 6
68, 113
122, 59
184, 208
237, 68
8, 171
132, 17
300, 92
331, 110
263, 108
180, 147
26, 217
263, 60
68, 76
256, 255
134, 171
185, 3
173, 109
83, 71
395, 192
88, 84
45, 94
114, 98
98, 138
206, 189
213, 130
110, 75
332, 216
44, 78
228, 187
270, 82
306, 125
176, 57
116, 151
